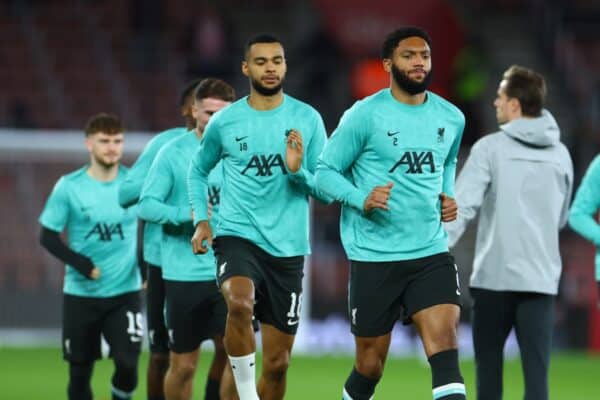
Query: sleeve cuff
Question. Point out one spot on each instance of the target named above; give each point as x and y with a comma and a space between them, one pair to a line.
357, 200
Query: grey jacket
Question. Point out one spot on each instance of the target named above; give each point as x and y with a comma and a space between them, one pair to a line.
522, 179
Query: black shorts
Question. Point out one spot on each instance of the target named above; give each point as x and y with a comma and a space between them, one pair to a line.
85, 319
380, 293
158, 339
196, 311
277, 280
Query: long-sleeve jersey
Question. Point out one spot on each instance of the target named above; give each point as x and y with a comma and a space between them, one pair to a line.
585, 206
165, 201
262, 201
381, 140
130, 189
98, 228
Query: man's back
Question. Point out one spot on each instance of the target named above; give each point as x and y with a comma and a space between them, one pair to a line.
522, 178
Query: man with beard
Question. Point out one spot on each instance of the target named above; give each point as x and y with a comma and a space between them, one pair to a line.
129, 193
102, 281
195, 310
269, 143
521, 178
391, 163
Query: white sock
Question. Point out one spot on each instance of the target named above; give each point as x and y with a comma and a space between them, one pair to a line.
244, 374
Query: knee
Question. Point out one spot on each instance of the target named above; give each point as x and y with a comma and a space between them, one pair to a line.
240, 308
159, 359
183, 370
370, 365
126, 377
275, 367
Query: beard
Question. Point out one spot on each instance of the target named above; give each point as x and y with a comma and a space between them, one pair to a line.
105, 163
409, 85
265, 91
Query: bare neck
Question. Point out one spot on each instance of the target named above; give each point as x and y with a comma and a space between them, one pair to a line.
102, 173
404, 97
263, 103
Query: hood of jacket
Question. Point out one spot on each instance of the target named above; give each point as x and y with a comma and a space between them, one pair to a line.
541, 131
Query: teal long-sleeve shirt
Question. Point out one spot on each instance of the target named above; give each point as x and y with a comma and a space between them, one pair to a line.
261, 201
165, 201
381, 140
130, 189
585, 206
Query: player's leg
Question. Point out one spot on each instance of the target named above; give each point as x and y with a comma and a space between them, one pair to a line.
215, 328
492, 316
278, 310
277, 350
80, 343
374, 306
189, 322
236, 274
432, 301
534, 320
158, 338
227, 391
180, 376
123, 329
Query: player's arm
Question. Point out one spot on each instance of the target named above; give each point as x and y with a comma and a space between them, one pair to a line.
53, 220
586, 204
309, 153
131, 188
207, 156
450, 164
157, 187
471, 186
52, 242
342, 149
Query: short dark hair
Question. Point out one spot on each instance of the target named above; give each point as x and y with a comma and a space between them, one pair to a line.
260, 38
105, 123
188, 91
393, 38
213, 87
527, 86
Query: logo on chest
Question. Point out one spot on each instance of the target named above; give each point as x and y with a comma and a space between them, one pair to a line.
105, 232
415, 162
265, 165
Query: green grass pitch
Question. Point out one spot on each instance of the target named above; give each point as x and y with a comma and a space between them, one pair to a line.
40, 373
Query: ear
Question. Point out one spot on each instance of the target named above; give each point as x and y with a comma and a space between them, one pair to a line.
515, 105
88, 142
387, 64
245, 68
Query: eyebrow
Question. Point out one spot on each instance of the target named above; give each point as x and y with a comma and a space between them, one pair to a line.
415, 51
278, 57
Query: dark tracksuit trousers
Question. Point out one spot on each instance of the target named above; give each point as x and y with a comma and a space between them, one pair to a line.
494, 314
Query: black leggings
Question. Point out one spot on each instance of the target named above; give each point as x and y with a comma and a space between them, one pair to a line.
80, 376
495, 313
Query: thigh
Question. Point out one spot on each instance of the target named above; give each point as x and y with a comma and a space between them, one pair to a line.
374, 297
123, 325
435, 283
196, 311
279, 300
155, 303
236, 257
82, 327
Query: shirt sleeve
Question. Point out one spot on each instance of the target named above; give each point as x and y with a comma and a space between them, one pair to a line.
471, 186
339, 153
207, 156
586, 204
157, 187
450, 163
56, 211
305, 175
131, 188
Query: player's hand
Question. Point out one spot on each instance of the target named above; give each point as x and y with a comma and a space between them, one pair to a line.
294, 150
202, 233
449, 208
378, 197
95, 273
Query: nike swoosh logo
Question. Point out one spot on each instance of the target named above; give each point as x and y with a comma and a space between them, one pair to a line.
292, 322
237, 139
135, 339
390, 133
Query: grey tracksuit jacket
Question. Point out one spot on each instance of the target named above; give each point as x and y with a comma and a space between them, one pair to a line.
520, 179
